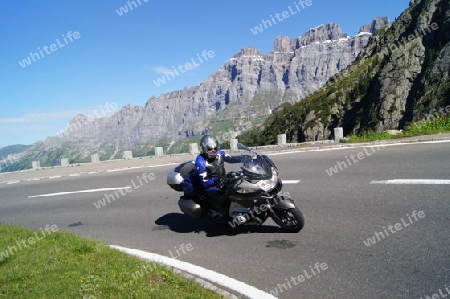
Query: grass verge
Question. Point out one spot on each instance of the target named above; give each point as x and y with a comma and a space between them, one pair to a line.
440, 125
52, 264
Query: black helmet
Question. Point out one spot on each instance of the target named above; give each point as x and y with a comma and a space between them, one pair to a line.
209, 146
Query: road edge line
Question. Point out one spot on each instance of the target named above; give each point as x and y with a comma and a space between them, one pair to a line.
209, 275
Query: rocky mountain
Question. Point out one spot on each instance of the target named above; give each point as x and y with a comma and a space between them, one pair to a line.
241, 94
401, 76
375, 25
11, 154
12, 149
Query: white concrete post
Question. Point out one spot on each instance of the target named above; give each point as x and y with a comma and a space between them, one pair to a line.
233, 145
128, 155
65, 162
338, 134
159, 151
36, 165
193, 149
282, 139
95, 158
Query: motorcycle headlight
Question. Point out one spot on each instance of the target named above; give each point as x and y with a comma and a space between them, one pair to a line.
269, 184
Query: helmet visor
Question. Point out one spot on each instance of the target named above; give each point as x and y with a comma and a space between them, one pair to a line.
211, 149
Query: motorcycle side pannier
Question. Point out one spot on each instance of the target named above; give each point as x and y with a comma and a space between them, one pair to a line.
177, 175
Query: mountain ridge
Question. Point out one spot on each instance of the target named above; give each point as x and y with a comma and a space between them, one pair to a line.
400, 77
233, 99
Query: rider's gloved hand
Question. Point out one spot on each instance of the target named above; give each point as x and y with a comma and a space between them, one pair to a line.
222, 182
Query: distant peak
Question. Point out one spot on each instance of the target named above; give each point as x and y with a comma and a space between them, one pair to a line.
317, 27
248, 52
321, 33
283, 44
80, 116
376, 24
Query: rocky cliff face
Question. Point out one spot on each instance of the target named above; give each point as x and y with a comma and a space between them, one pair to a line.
375, 25
401, 76
406, 70
248, 86
293, 70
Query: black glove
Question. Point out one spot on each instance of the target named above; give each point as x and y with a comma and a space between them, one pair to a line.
222, 182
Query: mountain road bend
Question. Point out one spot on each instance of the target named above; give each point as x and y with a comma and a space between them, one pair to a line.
362, 237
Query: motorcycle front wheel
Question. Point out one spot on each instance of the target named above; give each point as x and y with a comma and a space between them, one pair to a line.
291, 219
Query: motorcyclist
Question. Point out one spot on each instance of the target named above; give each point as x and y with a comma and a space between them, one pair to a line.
211, 171
205, 184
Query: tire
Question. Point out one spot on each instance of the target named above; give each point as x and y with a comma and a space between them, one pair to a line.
291, 220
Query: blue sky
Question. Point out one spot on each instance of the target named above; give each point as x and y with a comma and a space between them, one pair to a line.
80, 56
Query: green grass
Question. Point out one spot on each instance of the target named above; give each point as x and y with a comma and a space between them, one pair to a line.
440, 125
63, 265
369, 136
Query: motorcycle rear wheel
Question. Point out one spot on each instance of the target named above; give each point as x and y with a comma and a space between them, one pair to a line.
291, 220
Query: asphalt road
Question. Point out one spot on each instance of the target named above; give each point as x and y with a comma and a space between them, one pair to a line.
343, 209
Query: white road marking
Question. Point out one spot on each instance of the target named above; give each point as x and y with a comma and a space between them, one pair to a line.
122, 169
436, 141
54, 177
79, 191
290, 181
166, 164
315, 149
12, 182
138, 167
215, 277
413, 182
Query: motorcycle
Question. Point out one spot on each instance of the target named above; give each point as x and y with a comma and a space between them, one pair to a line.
254, 193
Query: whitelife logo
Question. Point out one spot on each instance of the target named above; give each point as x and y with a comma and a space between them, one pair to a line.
47, 231
73, 126
296, 280
378, 236
53, 47
108, 198
348, 162
265, 24
184, 68
124, 9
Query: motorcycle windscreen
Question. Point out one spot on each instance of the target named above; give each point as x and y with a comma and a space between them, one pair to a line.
257, 168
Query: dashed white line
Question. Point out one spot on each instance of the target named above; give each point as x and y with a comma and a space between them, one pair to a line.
122, 169
412, 182
166, 164
435, 141
290, 181
79, 191
344, 147
215, 277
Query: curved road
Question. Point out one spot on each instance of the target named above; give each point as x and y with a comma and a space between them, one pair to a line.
366, 236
